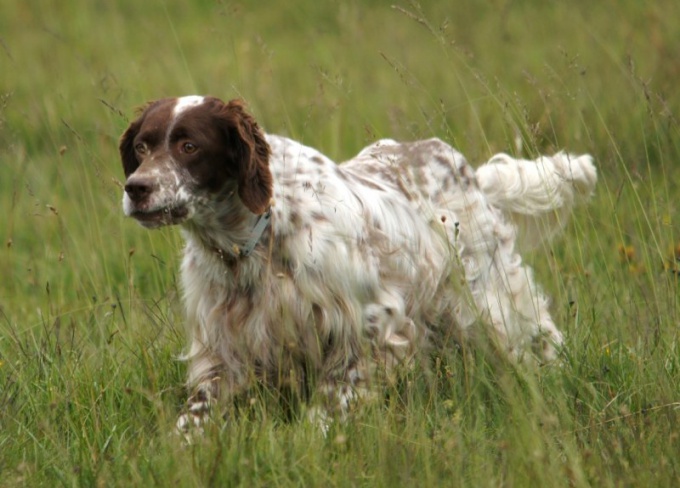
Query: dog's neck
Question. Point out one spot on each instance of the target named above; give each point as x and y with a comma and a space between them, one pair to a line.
256, 233
246, 231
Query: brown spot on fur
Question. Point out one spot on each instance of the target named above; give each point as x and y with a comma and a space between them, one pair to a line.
318, 216
404, 190
317, 313
295, 219
368, 183
341, 174
444, 162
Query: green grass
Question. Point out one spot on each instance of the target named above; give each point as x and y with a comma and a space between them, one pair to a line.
90, 316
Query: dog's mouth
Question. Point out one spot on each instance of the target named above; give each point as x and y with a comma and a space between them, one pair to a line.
161, 217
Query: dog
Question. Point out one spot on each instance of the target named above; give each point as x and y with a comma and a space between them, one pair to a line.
299, 272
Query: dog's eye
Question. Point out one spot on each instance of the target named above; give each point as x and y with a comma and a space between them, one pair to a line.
140, 148
189, 148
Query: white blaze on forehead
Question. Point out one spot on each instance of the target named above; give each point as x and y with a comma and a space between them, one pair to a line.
184, 103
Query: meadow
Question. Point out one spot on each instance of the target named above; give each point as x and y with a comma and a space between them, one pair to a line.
90, 309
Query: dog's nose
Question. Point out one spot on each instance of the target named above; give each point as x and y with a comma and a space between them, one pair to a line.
139, 188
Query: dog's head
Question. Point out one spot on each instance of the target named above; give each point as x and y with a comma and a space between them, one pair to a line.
181, 152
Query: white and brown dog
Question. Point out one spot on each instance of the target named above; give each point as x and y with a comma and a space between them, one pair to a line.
295, 266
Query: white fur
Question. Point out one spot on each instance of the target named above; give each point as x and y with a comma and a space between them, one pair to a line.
184, 103
538, 195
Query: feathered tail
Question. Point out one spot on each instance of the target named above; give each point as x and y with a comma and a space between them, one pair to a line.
537, 195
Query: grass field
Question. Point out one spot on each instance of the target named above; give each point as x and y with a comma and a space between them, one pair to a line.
90, 317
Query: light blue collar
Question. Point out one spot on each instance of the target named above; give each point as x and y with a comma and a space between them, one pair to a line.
256, 233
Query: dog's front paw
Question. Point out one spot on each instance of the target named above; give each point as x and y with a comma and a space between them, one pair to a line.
189, 427
191, 423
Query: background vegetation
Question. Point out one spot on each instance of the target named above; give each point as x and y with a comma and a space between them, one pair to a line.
90, 321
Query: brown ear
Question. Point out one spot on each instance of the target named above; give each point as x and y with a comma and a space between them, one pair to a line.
126, 144
251, 156
126, 147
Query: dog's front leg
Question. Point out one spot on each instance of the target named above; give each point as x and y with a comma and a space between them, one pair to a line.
210, 385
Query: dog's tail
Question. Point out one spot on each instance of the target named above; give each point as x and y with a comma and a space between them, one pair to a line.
537, 195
